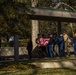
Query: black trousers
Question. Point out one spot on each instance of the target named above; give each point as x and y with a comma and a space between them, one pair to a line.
43, 51
30, 54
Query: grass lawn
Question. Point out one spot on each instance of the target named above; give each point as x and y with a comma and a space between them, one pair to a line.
40, 72
24, 68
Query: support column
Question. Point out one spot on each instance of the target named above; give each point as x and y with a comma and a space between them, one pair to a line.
34, 32
0, 42
59, 28
16, 47
35, 29
0, 47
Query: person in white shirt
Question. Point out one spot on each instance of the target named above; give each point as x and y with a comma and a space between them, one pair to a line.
11, 40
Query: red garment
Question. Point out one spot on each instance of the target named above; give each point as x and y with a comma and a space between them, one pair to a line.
43, 42
46, 41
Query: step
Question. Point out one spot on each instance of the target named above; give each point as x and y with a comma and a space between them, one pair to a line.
62, 64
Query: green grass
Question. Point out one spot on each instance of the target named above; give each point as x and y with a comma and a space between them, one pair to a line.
52, 59
40, 72
24, 68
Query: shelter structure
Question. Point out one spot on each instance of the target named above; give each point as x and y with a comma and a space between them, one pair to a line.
54, 14
51, 14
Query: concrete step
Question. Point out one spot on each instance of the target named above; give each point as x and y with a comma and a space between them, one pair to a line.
56, 64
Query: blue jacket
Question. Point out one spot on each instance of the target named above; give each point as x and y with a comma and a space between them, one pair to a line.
60, 40
74, 39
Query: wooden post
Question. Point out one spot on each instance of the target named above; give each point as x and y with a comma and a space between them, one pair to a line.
16, 43
16, 47
59, 28
0, 42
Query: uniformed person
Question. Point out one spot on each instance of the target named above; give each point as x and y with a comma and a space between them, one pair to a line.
51, 46
60, 41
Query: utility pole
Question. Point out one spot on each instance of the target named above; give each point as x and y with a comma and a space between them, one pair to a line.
35, 28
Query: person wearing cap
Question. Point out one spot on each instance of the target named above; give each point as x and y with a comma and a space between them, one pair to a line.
60, 41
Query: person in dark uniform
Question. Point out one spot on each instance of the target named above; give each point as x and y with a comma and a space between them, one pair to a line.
60, 41
51, 46
29, 48
48, 36
74, 42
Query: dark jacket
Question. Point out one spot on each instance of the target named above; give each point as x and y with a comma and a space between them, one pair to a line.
55, 40
37, 40
74, 39
29, 45
51, 40
60, 40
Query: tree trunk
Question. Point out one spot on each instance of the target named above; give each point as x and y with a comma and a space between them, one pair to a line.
35, 30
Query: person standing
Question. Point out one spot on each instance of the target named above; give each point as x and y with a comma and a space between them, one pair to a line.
11, 41
38, 44
69, 45
42, 46
51, 46
37, 39
55, 46
29, 48
60, 41
47, 47
74, 42
65, 40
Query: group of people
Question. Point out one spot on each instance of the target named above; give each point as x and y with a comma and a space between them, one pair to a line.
63, 42
47, 45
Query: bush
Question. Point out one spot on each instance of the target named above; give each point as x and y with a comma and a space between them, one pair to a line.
22, 43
